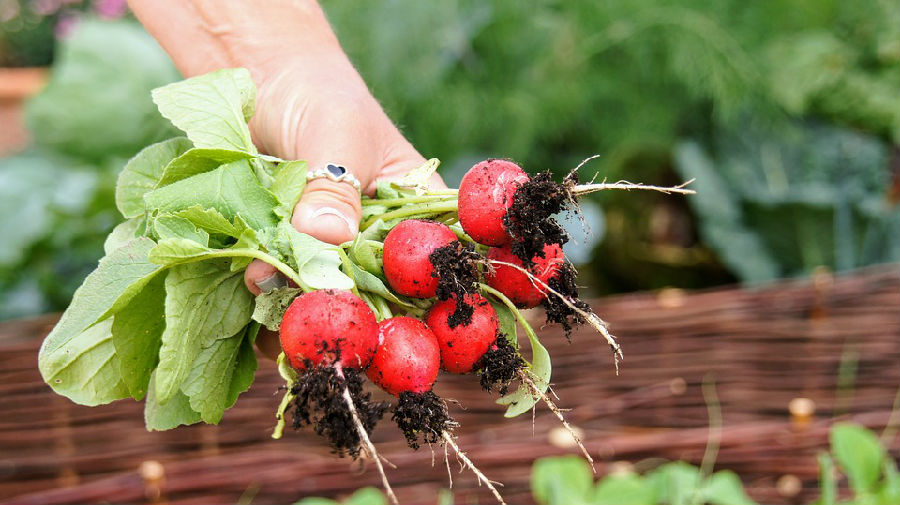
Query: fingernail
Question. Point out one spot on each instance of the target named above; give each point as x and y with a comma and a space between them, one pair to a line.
271, 282
326, 213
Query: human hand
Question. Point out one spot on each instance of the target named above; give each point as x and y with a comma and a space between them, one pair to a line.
311, 104
326, 116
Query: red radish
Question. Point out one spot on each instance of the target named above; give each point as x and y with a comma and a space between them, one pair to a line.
328, 326
463, 345
485, 194
407, 248
514, 283
407, 358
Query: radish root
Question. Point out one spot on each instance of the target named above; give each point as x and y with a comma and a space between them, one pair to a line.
364, 437
553, 408
471, 466
592, 319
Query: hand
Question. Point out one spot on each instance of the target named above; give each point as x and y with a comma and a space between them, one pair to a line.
322, 116
311, 104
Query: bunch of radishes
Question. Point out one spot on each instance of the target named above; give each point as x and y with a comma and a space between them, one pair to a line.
452, 259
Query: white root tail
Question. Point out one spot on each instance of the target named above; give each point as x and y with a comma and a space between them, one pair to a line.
364, 437
553, 408
591, 318
584, 189
448, 440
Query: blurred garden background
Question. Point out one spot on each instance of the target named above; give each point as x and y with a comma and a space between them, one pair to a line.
785, 112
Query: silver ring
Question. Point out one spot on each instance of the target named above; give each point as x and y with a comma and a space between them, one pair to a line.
336, 173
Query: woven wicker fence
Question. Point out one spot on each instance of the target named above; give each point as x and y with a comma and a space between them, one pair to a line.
835, 341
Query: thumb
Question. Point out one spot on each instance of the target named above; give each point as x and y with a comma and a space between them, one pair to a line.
329, 211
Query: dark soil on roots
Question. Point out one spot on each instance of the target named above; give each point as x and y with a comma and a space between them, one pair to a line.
529, 220
320, 403
456, 269
499, 366
557, 311
422, 417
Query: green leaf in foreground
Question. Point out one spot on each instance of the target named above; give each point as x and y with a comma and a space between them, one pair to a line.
288, 186
270, 306
116, 280
539, 369
169, 226
86, 368
176, 412
212, 109
210, 220
205, 301
231, 190
124, 232
143, 172
197, 161
323, 271
507, 322
219, 374
137, 334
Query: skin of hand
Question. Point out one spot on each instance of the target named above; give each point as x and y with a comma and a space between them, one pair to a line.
311, 105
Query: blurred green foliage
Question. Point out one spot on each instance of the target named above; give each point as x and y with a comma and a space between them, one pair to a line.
56, 199
787, 111
808, 84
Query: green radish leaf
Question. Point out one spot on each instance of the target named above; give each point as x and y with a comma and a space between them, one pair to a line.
176, 412
86, 368
109, 288
210, 220
507, 322
208, 384
289, 183
858, 454
523, 399
247, 240
290, 378
386, 191
375, 232
323, 271
143, 172
244, 367
628, 489
363, 253
563, 480
205, 301
231, 189
197, 161
176, 251
417, 178
123, 233
725, 488
367, 282
212, 109
270, 306
297, 248
169, 226
137, 334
